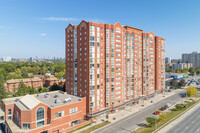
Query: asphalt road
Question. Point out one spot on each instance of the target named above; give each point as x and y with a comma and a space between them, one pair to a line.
130, 123
190, 124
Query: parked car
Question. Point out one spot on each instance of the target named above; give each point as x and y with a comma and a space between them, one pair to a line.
163, 108
168, 105
156, 112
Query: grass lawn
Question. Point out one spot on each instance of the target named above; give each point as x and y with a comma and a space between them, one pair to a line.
170, 115
95, 127
81, 127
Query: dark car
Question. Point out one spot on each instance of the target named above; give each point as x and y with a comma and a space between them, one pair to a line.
163, 108
156, 113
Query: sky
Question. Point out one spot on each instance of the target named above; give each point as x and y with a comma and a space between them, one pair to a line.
30, 28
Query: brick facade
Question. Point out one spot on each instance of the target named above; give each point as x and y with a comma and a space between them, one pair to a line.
62, 122
112, 64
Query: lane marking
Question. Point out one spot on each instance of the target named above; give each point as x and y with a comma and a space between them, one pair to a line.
197, 130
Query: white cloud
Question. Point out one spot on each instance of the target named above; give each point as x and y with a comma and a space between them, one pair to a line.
59, 19
43, 34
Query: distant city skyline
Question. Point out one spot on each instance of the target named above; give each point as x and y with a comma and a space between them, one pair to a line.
28, 29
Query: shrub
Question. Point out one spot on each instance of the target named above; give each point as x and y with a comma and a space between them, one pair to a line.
150, 121
180, 106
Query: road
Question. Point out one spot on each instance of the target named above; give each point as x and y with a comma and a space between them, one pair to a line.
190, 124
130, 123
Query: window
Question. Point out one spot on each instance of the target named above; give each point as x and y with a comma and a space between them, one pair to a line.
40, 116
59, 114
9, 114
26, 126
73, 110
56, 115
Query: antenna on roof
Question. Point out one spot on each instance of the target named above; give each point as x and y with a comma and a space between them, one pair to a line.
57, 100
46, 95
56, 96
39, 95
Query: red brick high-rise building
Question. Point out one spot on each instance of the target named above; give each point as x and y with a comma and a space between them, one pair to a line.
113, 65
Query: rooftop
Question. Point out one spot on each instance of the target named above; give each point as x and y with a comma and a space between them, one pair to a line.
24, 80
51, 99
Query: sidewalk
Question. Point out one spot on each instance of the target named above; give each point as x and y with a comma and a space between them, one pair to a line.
179, 119
138, 107
132, 109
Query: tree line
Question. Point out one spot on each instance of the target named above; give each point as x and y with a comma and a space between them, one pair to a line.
19, 70
191, 70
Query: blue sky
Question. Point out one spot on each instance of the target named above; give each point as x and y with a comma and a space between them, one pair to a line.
30, 28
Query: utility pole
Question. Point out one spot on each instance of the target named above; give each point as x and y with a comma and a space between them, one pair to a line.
155, 117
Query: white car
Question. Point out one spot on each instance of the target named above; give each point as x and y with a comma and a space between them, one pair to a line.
168, 105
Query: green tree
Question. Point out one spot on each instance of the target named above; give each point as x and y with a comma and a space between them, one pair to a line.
198, 71
22, 89
192, 70
42, 90
55, 87
59, 68
32, 90
181, 83
151, 121
18, 71
3, 93
60, 75
191, 91
174, 82
43, 70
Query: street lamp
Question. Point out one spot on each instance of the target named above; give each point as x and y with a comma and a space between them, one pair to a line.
155, 114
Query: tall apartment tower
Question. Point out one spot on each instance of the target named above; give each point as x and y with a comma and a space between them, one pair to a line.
112, 65
193, 58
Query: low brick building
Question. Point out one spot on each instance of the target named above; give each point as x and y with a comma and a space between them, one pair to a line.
50, 81
32, 82
52, 112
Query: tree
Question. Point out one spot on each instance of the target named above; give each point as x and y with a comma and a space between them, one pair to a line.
60, 75
198, 71
191, 91
178, 71
22, 89
59, 68
192, 70
32, 90
18, 71
162, 116
185, 70
173, 82
107, 116
55, 87
181, 83
42, 90
3, 93
151, 121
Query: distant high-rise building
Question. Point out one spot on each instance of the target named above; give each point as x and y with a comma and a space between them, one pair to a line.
180, 66
168, 60
112, 64
7, 59
193, 58
31, 59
